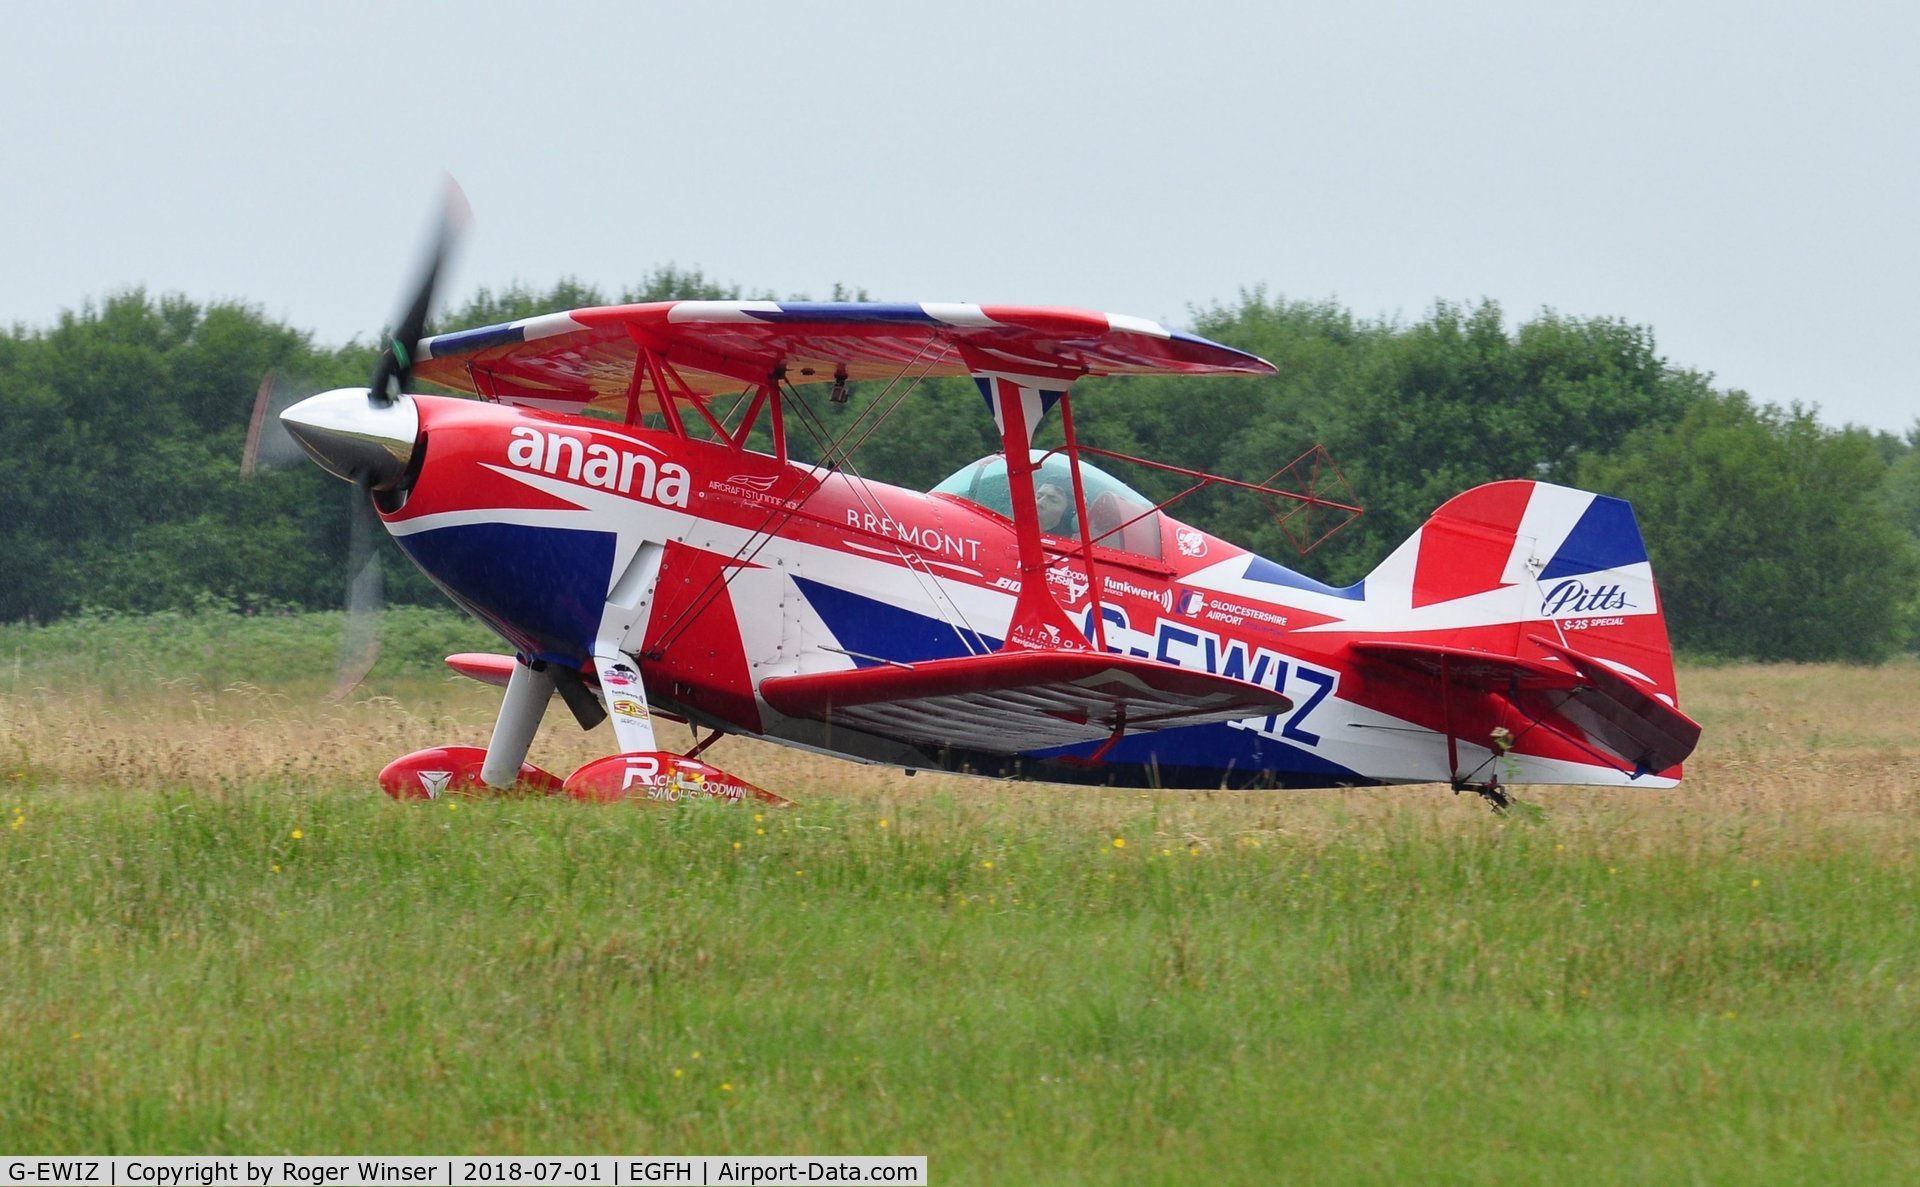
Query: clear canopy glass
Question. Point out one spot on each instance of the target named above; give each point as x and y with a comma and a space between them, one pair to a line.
1119, 516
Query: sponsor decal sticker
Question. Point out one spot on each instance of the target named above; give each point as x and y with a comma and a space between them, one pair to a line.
1190, 542
1074, 584
754, 489
1124, 588
597, 464
1239, 614
926, 539
1045, 636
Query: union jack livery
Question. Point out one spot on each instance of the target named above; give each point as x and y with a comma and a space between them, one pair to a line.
599, 506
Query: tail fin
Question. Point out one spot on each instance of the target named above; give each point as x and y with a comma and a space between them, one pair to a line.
1556, 582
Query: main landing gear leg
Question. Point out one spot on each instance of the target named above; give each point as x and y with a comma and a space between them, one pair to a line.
528, 691
469, 770
641, 771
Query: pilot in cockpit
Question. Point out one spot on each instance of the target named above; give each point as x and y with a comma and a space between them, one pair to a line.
1052, 504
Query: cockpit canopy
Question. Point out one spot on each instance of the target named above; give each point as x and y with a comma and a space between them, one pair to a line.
1118, 516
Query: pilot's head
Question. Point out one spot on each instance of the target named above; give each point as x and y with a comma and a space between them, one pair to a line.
1051, 502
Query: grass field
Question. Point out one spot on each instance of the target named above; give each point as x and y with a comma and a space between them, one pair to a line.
214, 937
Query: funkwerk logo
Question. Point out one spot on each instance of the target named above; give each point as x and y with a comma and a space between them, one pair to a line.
1120, 588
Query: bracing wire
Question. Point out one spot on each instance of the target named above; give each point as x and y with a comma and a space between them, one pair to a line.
835, 456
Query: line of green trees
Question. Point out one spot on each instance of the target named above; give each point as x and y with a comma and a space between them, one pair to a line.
1774, 537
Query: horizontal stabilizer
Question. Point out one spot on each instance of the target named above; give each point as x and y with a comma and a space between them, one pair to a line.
1010, 702
1563, 690
1627, 721
1482, 671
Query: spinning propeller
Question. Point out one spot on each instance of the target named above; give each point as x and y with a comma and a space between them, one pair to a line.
367, 436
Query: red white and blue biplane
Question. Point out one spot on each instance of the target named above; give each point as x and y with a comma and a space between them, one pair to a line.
600, 508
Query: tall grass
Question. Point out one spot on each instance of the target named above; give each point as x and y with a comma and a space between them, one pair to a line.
213, 937
214, 647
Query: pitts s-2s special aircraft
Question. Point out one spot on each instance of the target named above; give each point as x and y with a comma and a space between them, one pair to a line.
598, 506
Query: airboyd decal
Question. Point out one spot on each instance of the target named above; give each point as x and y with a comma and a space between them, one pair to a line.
594, 464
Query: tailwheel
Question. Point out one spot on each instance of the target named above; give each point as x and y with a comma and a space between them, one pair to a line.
659, 777
455, 770
1491, 791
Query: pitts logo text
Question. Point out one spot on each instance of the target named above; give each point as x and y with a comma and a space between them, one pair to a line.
1572, 597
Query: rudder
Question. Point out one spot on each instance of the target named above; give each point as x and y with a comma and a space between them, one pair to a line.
1559, 580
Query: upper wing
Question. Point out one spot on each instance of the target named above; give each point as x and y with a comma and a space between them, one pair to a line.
1014, 701
589, 356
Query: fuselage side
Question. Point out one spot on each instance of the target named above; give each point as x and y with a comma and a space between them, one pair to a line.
530, 519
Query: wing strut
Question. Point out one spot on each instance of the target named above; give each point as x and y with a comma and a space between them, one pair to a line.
1020, 391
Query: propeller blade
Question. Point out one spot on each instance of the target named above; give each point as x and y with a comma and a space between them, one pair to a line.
251, 454
360, 640
369, 443
396, 361
269, 445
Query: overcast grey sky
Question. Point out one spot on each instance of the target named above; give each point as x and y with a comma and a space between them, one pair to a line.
1740, 177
